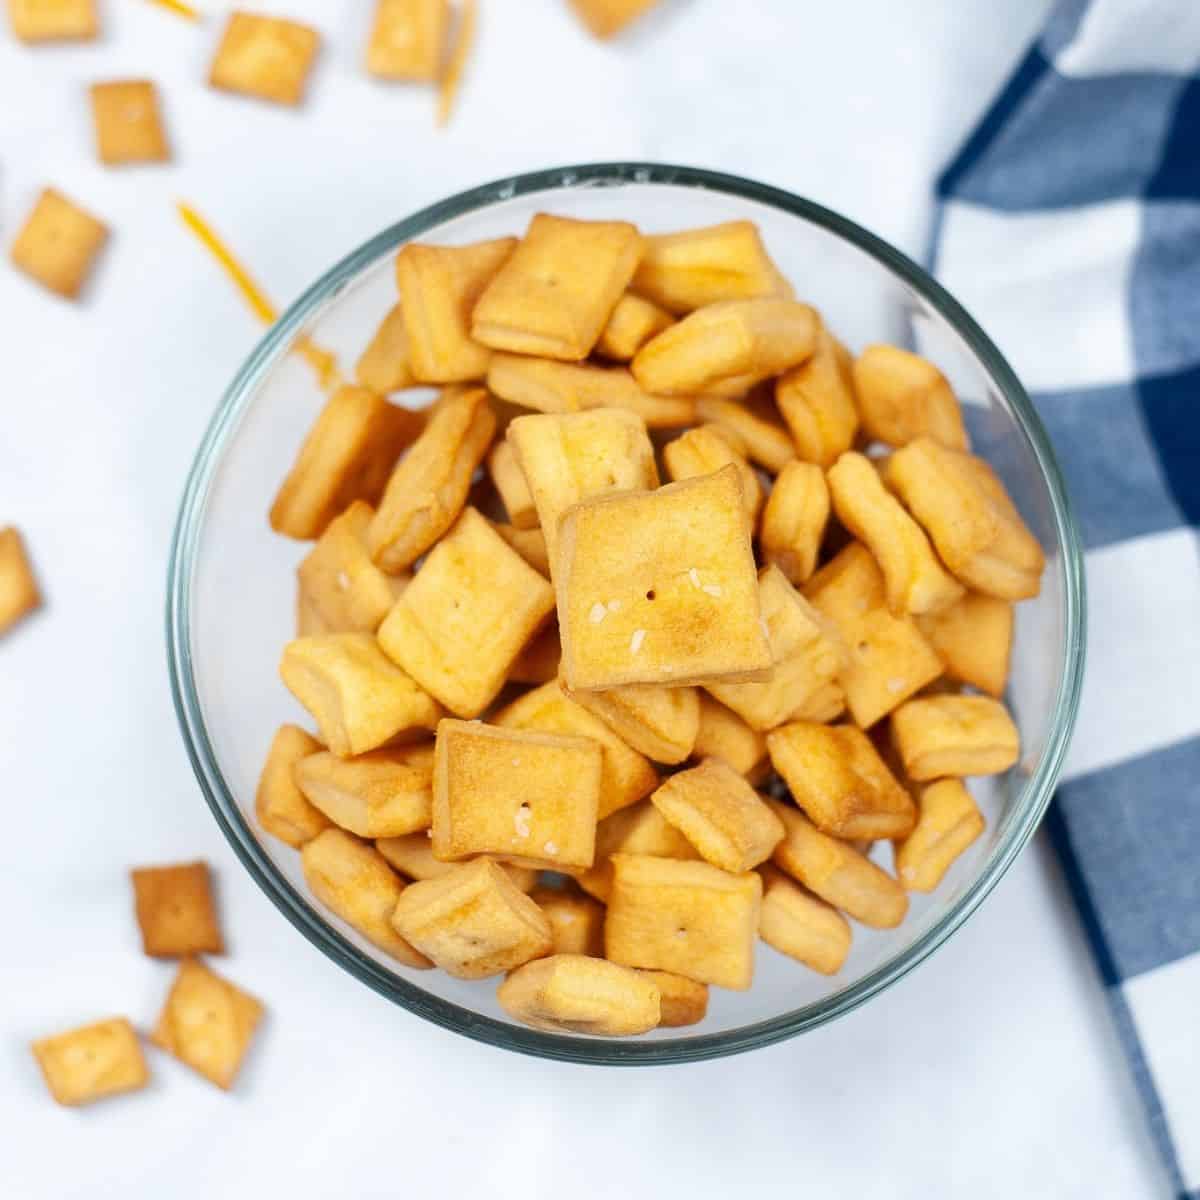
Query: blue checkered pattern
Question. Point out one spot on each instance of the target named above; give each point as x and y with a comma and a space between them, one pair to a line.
1069, 224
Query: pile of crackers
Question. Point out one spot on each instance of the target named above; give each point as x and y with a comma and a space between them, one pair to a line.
628, 649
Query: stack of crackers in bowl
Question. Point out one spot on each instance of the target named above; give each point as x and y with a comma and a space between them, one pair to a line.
626, 651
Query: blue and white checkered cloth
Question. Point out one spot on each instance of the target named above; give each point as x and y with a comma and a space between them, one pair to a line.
1069, 225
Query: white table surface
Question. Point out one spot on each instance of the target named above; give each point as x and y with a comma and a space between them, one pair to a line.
992, 1071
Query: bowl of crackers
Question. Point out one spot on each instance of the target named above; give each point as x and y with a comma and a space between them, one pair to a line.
654, 630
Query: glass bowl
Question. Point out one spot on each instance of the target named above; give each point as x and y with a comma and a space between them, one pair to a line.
230, 603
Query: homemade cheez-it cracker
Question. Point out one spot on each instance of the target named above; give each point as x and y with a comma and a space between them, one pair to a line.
58, 244
626, 776
806, 609
354, 881
337, 579
440, 285
660, 722
571, 993
660, 587
720, 814
473, 921
526, 796
347, 455
689, 918
19, 593
460, 624
175, 911
384, 793
54, 20
555, 294
359, 698
568, 457
408, 39
279, 803
207, 1023
632, 324
265, 57
696, 267
429, 486
737, 340
92, 1062
128, 123
606, 18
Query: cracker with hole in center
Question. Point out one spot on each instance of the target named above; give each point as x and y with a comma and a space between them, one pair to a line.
521, 795
175, 911
660, 587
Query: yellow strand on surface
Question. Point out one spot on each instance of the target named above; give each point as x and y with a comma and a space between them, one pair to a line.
452, 76
323, 362
179, 8
254, 296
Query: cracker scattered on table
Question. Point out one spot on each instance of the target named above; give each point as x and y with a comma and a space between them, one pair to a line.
54, 20
207, 1023
19, 595
408, 39
175, 911
92, 1062
606, 18
265, 57
128, 122
58, 244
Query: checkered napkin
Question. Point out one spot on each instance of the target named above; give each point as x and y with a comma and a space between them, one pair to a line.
1069, 225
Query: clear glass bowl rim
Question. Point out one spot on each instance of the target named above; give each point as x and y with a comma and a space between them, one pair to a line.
1031, 804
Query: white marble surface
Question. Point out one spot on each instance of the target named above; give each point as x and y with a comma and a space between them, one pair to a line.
990, 1072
